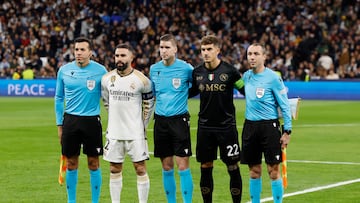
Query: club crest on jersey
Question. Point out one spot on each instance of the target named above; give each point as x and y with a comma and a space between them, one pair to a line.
176, 82
260, 92
132, 86
224, 77
112, 80
211, 76
90, 84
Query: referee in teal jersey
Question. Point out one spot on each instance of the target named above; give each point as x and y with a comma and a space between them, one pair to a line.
77, 108
265, 92
171, 78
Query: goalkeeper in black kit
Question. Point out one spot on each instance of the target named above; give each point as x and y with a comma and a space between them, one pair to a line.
215, 81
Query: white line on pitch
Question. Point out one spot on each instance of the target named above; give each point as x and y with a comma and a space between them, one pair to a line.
314, 189
327, 125
324, 162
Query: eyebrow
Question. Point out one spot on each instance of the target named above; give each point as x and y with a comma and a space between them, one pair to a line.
253, 52
208, 48
163, 46
120, 55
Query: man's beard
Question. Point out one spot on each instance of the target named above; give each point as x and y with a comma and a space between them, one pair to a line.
121, 66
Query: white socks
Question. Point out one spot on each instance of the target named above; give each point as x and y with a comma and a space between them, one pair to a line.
115, 186
143, 187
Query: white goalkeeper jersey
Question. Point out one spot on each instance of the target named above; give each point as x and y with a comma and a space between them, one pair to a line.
130, 102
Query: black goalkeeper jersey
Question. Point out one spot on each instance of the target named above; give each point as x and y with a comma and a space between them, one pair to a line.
216, 89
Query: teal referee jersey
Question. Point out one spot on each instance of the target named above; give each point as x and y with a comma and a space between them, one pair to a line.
171, 87
78, 90
266, 91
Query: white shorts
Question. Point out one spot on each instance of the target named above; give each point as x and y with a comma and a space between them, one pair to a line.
115, 150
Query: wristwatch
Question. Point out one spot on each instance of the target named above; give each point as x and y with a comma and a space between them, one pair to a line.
287, 132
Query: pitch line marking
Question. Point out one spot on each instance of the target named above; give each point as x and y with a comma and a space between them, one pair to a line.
305, 161
328, 125
314, 189
324, 162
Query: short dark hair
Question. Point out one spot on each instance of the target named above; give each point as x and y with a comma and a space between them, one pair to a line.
168, 37
84, 39
126, 46
211, 39
263, 48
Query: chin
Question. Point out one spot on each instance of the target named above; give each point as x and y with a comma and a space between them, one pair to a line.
120, 69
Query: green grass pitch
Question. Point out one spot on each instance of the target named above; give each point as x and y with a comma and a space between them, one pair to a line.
323, 157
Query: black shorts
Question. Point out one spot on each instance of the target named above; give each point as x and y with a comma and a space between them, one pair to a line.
261, 137
82, 130
209, 139
172, 136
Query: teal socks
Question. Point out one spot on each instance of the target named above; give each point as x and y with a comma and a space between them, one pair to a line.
186, 184
71, 183
169, 185
255, 190
277, 190
95, 182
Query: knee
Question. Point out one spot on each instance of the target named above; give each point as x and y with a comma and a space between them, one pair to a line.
182, 163
115, 168
167, 163
274, 175
93, 163
255, 171
274, 172
140, 170
232, 167
207, 165
72, 163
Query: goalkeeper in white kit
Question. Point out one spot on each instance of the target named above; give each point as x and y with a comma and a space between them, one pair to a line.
127, 95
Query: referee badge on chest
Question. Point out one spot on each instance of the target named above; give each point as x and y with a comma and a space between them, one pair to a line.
176, 82
90, 84
260, 92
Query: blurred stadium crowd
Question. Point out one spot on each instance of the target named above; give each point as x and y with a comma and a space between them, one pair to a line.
306, 40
